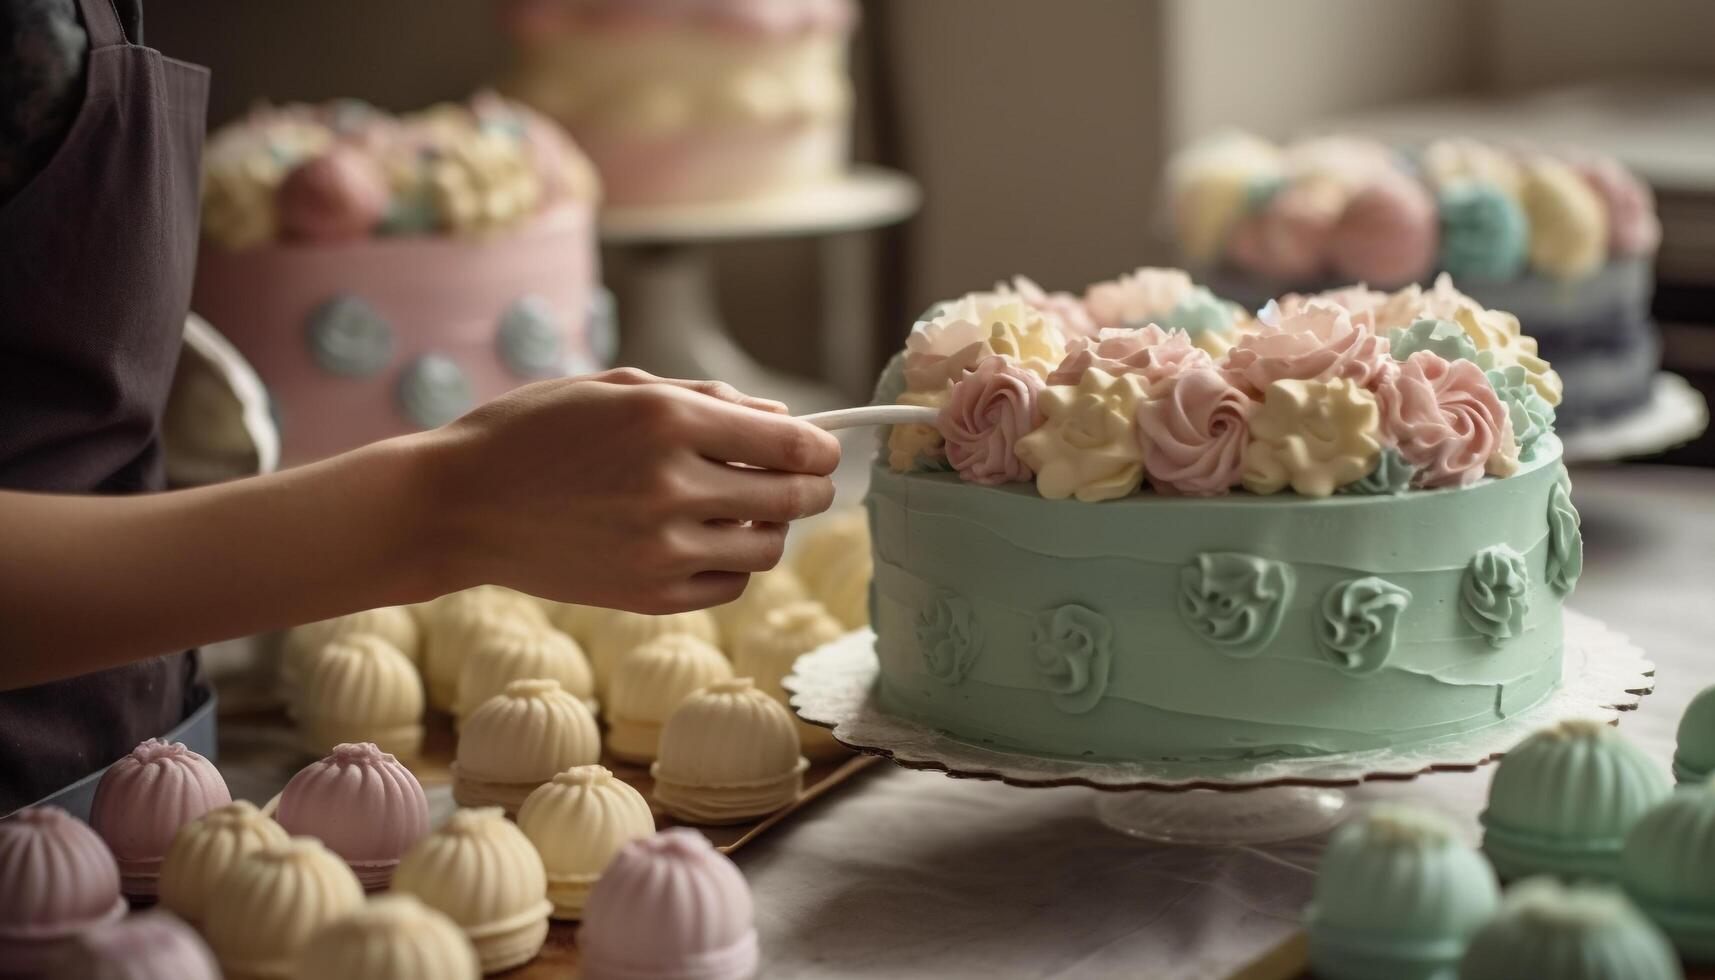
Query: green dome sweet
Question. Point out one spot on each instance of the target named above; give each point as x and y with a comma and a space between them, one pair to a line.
1398, 895
1549, 931
1563, 800
1694, 759
1668, 869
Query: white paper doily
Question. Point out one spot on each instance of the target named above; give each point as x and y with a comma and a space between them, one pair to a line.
1676, 414
1604, 674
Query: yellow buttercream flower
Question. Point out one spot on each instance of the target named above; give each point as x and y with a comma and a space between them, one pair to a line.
484, 182
1088, 447
238, 202
1501, 342
1023, 335
908, 445
1314, 436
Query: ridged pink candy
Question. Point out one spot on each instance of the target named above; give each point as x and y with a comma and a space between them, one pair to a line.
1319, 343
143, 800
1193, 434
1389, 233
56, 878
1149, 352
669, 907
151, 946
363, 804
1445, 418
989, 410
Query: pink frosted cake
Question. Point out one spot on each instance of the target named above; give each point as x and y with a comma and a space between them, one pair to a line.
681, 101
386, 274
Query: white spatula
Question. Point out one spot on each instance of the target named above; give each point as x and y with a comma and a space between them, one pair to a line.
846, 418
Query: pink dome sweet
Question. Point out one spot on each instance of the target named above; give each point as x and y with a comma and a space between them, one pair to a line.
56, 878
151, 946
363, 804
336, 197
143, 800
670, 907
1389, 233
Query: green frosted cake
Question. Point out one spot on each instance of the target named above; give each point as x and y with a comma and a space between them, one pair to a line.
1341, 525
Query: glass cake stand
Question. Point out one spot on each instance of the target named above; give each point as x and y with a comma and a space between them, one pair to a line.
1239, 802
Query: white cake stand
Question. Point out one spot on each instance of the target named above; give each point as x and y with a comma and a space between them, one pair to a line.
1675, 414
1242, 801
670, 322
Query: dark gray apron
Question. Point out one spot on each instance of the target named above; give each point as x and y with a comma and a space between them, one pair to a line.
96, 257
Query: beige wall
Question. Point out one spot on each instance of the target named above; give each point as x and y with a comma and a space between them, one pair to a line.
1536, 43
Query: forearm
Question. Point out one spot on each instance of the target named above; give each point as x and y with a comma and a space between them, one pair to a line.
89, 582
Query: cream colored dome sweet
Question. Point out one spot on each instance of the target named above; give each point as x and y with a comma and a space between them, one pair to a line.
824, 542
360, 688
395, 624
484, 874
206, 849
651, 681
518, 739
766, 592
578, 622
844, 588
767, 652
618, 633
392, 937
511, 655
264, 910
578, 821
457, 623
728, 753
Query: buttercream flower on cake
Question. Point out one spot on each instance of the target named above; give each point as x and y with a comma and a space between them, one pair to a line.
1064, 310
986, 414
1312, 436
1447, 421
915, 446
1193, 434
943, 348
1318, 343
1136, 298
1149, 352
1087, 445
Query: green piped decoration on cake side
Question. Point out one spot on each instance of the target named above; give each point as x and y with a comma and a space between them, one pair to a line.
1360, 620
1234, 601
1074, 650
349, 338
1565, 540
950, 638
1665, 869
1495, 593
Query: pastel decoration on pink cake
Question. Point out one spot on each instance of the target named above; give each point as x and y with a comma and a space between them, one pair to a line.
1390, 233
669, 907
363, 804
151, 946
141, 802
386, 274
691, 101
59, 879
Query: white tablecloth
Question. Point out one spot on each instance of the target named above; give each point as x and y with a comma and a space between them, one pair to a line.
911, 874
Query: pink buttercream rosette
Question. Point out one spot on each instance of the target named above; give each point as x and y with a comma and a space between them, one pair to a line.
1444, 417
1064, 310
1151, 353
1321, 342
989, 410
1194, 433
338, 196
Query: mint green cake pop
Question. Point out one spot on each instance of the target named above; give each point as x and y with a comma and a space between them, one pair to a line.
1549, 931
1398, 896
1668, 868
1564, 799
1694, 759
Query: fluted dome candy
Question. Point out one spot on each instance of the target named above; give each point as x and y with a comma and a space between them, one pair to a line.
206, 849
486, 876
59, 879
363, 804
360, 688
395, 624
619, 633
143, 800
844, 588
728, 753
1583, 932
578, 821
767, 652
669, 907
512, 655
1563, 800
392, 937
150, 946
458, 622
1398, 895
826, 541
650, 683
577, 621
1694, 756
265, 909
1668, 869
765, 592
517, 740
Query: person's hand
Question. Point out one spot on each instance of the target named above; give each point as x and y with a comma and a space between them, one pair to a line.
619, 489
